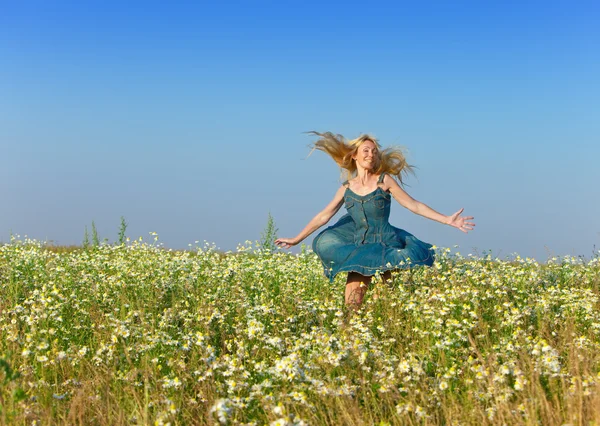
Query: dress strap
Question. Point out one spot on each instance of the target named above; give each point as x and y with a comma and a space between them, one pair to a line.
381, 176
345, 183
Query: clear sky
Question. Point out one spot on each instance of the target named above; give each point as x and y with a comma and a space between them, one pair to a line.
188, 119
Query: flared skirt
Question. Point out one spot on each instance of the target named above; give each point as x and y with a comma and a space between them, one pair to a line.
338, 251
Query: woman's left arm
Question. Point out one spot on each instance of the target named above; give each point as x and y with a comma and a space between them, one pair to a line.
456, 220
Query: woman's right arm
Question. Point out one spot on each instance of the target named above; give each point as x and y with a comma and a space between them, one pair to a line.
316, 222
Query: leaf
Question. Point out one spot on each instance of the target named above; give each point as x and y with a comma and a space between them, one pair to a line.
19, 395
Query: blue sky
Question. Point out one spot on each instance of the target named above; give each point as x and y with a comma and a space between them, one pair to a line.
188, 120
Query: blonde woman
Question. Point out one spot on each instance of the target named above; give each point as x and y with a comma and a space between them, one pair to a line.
363, 243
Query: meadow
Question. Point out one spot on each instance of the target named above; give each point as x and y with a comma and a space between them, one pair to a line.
138, 334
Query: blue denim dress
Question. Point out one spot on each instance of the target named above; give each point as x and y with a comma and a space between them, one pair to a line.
363, 240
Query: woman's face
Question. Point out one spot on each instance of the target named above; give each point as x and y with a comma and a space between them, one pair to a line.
366, 155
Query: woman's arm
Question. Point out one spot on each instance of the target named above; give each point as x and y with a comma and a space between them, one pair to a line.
316, 222
422, 209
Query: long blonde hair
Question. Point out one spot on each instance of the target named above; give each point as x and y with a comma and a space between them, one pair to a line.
390, 160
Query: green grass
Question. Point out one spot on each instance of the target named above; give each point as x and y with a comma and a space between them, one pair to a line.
136, 334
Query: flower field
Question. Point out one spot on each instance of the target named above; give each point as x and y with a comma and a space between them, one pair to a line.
137, 334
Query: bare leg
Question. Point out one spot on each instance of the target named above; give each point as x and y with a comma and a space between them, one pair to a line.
356, 287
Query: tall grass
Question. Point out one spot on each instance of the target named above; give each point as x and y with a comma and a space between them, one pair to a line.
136, 334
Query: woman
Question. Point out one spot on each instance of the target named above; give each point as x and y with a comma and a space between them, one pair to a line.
363, 243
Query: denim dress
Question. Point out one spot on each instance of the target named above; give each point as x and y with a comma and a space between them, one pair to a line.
363, 240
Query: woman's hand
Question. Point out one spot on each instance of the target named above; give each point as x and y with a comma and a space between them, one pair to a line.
461, 222
285, 242
316, 222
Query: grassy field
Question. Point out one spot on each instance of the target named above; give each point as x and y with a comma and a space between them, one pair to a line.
136, 334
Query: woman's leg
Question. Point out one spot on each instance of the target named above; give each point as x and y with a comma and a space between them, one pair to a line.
356, 287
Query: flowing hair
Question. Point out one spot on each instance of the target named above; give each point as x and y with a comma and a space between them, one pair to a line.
390, 160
